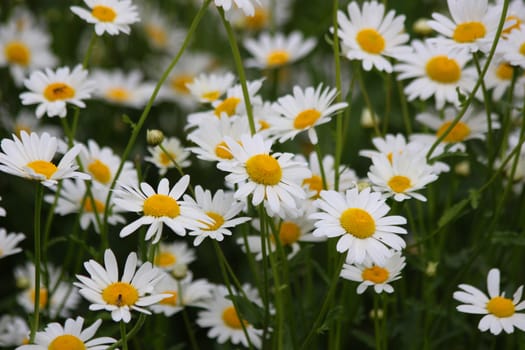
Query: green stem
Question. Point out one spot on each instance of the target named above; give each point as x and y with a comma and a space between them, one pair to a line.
37, 245
368, 102
187, 323
377, 325
339, 98
123, 336
404, 106
131, 333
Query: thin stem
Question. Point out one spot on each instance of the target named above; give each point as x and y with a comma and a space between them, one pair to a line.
177, 166
123, 336
377, 325
339, 98
37, 245
187, 323
368, 102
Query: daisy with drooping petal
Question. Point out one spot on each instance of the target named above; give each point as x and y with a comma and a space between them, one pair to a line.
71, 337
31, 155
513, 48
171, 255
208, 88
9, 242
247, 6
14, 331
221, 208
277, 50
378, 276
175, 152
159, 208
133, 291
500, 312
108, 16
120, 88
371, 36
303, 111
358, 218
274, 179
52, 90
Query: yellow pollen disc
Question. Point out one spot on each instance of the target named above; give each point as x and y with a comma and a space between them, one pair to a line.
500, 307
306, 118
103, 13
159, 205
358, 222
179, 82
43, 297
277, 58
264, 169
66, 342
258, 21
164, 259
118, 94
18, 53
375, 274
222, 151
458, 133
443, 69
88, 206
43, 167
315, 183
58, 91
231, 318
399, 183
218, 220
370, 41
172, 301
522, 49
264, 124
516, 25
157, 35
227, 106
165, 158
504, 71
120, 294
211, 95
289, 232
100, 171
469, 32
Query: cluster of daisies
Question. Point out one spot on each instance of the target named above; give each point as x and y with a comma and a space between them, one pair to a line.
237, 133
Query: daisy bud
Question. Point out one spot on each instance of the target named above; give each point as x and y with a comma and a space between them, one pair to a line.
367, 120
421, 27
361, 185
180, 271
462, 168
379, 314
154, 137
431, 268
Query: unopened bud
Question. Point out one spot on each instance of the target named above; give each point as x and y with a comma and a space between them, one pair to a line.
431, 268
180, 271
361, 185
154, 137
421, 27
376, 314
462, 168
367, 119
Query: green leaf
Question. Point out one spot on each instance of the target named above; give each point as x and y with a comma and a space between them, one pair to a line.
334, 315
474, 197
509, 238
127, 120
453, 212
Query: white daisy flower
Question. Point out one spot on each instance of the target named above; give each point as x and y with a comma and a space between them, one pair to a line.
159, 29
9, 242
247, 6
25, 120
266, 13
111, 16
31, 155
274, 51
14, 331
303, 111
513, 48
515, 15
224, 320
133, 291
124, 89
274, 179
208, 88
172, 255
498, 79
52, 90
159, 208
164, 161
378, 276
221, 209
371, 36
70, 336
500, 312
358, 218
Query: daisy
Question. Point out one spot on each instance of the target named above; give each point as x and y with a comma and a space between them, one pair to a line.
171, 255
266, 13
277, 50
303, 111
515, 15
437, 71
31, 155
498, 79
159, 29
133, 291
9, 242
208, 88
358, 218
159, 208
378, 276
14, 331
370, 35
124, 89
247, 6
26, 121
274, 179
221, 209
175, 152
513, 48
224, 320
111, 16
70, 336
500, 312
52, 90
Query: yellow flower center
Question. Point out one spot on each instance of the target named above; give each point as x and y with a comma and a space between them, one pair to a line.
103, 13
289, 232
469, 32
264, 169
358, 222
504, 71
66, 342
222, 151
165, 159
164, 259
159, 205
306, 118
516, 25
157, 35
458, 133
399, 183
178, 83
370, 41
263, 124
172, 300
58, 91
100, 171
211, 95
218, 220
88, 206
18, 53
43, 297
120, 294
277, 58
443, 69
500, 307
43, 167
258, 21
314, 183
227, 106
375, 274
118, 94
231, 318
